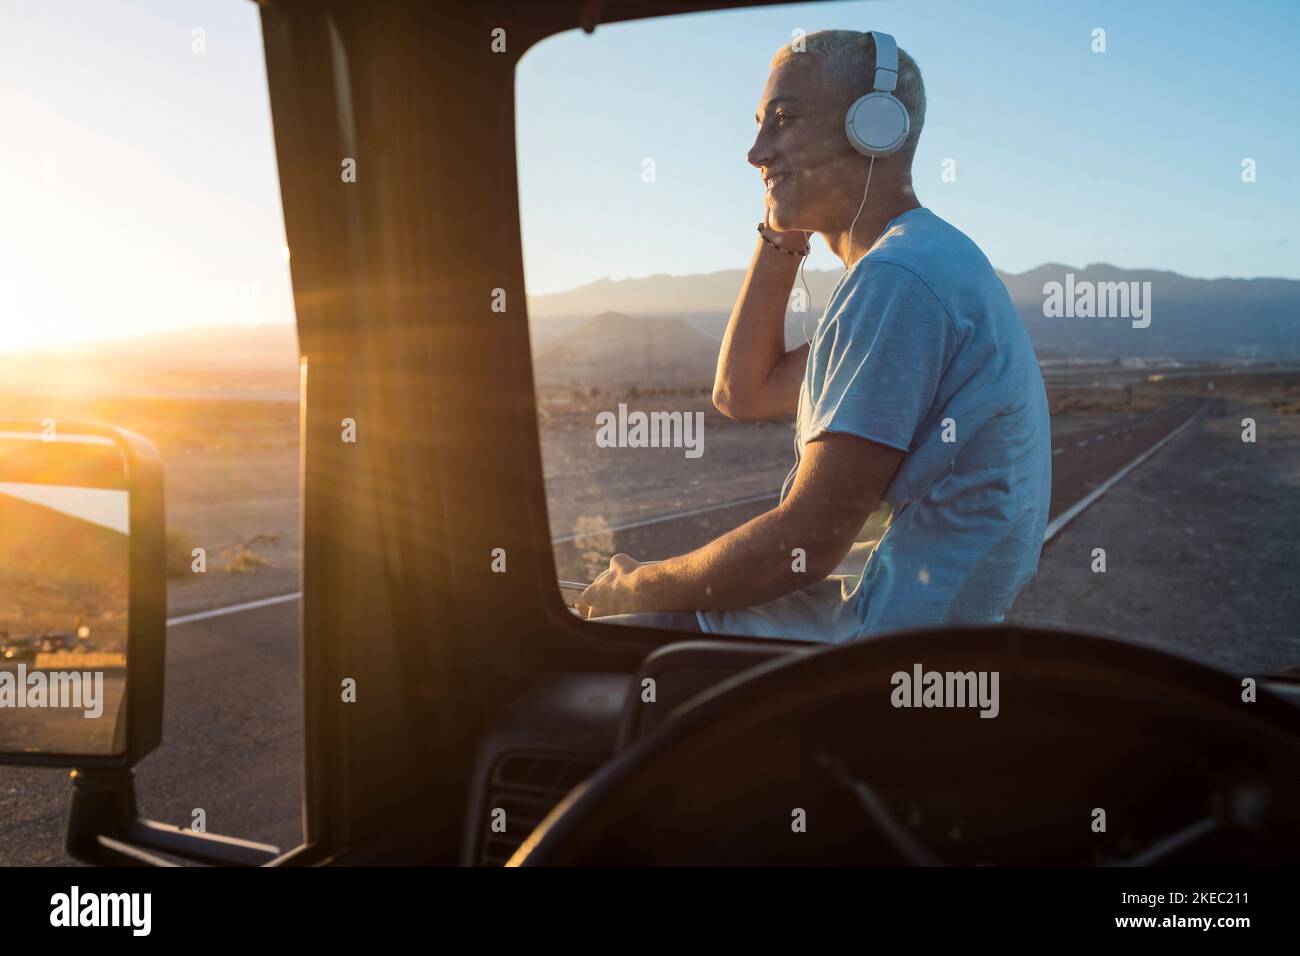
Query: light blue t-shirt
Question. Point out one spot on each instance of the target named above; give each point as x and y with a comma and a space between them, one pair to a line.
921, 349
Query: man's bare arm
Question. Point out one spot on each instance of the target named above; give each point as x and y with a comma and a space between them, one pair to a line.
841, 479
757, 378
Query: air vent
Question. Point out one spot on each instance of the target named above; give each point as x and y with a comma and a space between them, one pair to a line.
527, 786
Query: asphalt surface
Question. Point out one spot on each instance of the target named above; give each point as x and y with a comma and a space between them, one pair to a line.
232, 743
1198, 543
72, 727
232, 723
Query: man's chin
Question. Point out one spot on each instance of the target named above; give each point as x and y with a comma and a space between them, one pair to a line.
777, 221
781, 218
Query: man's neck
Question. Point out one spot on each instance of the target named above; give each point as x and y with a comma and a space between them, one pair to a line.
880, 210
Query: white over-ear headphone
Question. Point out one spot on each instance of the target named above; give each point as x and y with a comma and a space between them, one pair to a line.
877, 124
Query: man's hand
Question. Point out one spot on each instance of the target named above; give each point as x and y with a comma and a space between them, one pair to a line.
840, 480
614, 592
794, 239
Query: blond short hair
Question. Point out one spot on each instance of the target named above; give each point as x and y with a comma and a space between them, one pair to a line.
851, 57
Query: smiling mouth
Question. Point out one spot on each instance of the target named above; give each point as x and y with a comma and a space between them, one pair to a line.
776, 180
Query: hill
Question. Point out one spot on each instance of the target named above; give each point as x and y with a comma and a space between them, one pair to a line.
613, 350
665, 330
1191, 318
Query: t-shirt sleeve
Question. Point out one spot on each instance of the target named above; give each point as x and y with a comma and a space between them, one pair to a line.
879, 356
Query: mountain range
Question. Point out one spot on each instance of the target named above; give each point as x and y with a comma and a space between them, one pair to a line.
1192, 318
665, 331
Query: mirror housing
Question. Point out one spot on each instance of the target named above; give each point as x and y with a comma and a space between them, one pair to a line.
104, 825
24, 451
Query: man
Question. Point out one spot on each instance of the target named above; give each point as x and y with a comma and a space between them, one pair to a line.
918, 392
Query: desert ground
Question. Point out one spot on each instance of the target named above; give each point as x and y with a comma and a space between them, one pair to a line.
231, 480
1201, 541
58, 573
231, 466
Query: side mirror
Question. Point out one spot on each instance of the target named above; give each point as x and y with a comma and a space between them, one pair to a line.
83, 625
83, 598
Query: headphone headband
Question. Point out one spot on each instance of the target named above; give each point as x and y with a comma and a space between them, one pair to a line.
886, 77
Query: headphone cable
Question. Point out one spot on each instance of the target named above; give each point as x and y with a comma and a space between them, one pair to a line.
803, 322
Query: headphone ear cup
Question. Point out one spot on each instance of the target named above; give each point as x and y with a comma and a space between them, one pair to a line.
877, 124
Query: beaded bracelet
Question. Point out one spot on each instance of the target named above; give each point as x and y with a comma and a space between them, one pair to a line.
788, 252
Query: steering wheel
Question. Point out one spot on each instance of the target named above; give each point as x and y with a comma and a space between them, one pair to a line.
1101, 752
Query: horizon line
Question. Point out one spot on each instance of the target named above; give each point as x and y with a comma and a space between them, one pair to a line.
129, 336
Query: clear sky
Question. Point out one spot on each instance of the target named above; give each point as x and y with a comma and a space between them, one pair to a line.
138, 186
1131, 156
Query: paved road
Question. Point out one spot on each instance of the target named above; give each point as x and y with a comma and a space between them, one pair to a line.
84, 722
232, 743
232, 725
